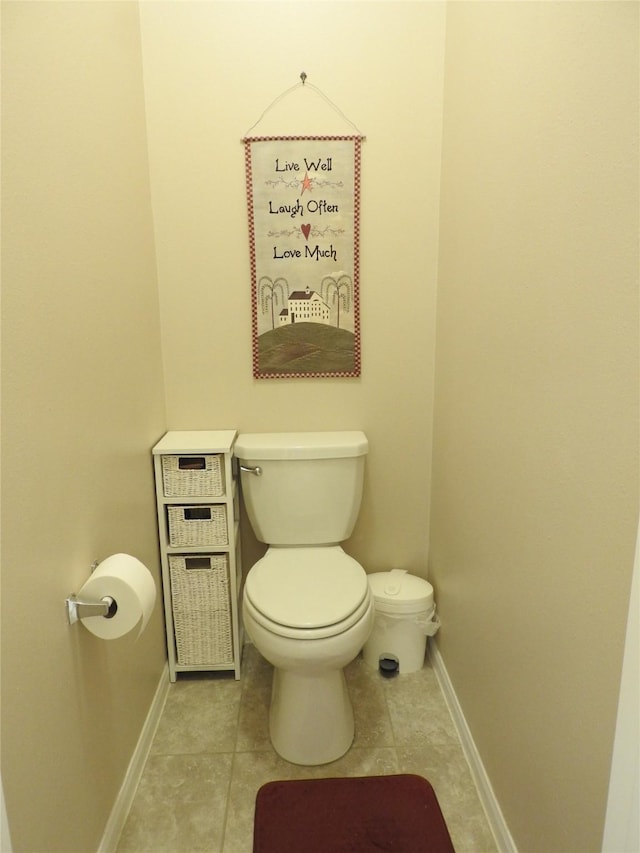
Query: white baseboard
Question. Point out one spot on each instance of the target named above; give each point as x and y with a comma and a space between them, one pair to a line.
497, 823
122, 805
5, 836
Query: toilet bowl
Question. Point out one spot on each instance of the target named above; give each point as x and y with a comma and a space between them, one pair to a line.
309, 611
307, 605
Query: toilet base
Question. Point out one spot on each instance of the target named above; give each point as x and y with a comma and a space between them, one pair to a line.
311, 718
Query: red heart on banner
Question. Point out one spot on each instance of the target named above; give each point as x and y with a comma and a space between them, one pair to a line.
306, 230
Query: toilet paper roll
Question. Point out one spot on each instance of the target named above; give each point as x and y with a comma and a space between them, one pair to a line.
129, 583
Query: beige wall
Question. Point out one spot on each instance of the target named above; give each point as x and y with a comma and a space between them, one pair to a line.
535, 482
536, 469
211, 69
82, 404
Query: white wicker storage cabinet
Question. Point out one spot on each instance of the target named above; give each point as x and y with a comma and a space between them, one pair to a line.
198, 511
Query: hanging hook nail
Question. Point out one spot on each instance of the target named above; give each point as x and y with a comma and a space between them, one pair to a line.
303, 77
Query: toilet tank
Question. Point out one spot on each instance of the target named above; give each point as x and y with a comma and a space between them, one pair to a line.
309, 486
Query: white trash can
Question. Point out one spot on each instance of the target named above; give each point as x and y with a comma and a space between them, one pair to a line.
405, 617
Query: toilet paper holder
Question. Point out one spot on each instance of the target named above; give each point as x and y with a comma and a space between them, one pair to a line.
79, 609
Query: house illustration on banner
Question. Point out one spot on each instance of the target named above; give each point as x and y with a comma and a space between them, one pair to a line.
305, 306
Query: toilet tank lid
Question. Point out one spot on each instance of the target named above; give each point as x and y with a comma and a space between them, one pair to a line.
301, 445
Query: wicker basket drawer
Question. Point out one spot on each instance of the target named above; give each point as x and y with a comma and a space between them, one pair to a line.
193, 476
201, 609
199, 525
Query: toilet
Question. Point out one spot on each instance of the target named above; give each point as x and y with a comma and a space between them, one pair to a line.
307, 605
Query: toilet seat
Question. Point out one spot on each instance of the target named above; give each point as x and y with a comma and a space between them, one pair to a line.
325, 632
307, 593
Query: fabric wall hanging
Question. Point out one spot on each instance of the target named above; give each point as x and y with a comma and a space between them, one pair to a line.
303, 198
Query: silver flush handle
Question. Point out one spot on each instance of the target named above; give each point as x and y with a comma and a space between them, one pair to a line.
256, 469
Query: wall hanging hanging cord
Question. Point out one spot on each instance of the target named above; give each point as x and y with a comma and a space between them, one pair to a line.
303, 79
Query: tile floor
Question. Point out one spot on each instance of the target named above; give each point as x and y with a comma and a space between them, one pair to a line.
211, 754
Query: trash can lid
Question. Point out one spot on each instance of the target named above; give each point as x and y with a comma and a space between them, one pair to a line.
397, 591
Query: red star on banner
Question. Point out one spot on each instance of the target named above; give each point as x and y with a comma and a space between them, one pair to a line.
306, 183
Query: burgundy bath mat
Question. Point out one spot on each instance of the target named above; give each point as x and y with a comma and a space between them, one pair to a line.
371, 814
